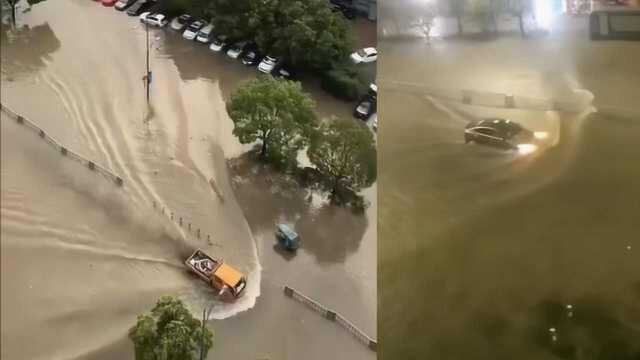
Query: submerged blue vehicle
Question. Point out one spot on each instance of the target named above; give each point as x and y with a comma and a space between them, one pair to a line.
287, 238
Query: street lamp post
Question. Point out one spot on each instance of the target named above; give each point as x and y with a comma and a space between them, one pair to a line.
206, 311
148, 74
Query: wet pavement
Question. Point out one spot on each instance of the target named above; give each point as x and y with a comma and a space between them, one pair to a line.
487, 254
109, 255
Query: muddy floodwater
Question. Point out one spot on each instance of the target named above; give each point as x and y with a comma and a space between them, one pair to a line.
492, 254
81, 257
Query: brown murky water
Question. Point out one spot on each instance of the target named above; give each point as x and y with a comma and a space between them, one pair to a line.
480, 251
81, 258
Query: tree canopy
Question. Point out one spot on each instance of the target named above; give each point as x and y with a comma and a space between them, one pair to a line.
306, 33
344, 151
275, 112
169, 332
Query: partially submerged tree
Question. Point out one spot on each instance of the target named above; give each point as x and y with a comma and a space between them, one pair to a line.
345, 153
170, 332
277, 113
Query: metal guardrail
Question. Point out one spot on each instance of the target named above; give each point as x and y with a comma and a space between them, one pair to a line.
333, 316
65, 151
92, 165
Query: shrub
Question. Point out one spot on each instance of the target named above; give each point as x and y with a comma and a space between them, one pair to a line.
343, 83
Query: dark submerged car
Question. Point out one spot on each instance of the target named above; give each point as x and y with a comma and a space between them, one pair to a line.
497, 132
251, 56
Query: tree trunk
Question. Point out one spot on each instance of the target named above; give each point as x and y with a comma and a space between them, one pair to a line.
334, 190
263, 151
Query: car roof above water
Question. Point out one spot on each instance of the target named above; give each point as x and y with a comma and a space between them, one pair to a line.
287, 231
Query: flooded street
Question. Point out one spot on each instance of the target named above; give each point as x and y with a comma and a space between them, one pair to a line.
106, 254
491, 254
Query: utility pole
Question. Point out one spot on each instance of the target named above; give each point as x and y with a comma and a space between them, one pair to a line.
148, 75
206, 311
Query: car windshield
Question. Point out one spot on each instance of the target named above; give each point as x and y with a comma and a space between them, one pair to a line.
250, 55
269, 60
195, 26
486, 131
183, 19
361, 52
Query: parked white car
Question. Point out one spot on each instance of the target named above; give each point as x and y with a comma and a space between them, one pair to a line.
204, 36
218, 43
267, 64
143, 16
192, 30
365, 55
236, 49
159, 20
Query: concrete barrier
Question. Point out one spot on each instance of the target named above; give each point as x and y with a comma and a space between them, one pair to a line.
332, 316
578, 102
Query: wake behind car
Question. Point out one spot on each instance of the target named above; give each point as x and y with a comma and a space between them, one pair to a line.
365, 55
193, 29
267, 64
181, 22
139, 7
502, 133
205, 34
122, 5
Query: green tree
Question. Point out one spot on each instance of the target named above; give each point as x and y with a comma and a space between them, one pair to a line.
344, 152
307, 33
170, 332
232, 17
275, 112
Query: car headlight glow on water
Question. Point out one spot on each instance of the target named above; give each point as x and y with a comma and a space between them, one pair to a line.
540, 135
525, 149
543, 12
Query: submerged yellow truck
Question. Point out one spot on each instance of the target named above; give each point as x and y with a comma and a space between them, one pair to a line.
220, 276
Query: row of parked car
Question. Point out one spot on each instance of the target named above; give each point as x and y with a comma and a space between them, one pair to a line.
203, 32
246, 51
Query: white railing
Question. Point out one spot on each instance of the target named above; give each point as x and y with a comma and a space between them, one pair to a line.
333, 316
